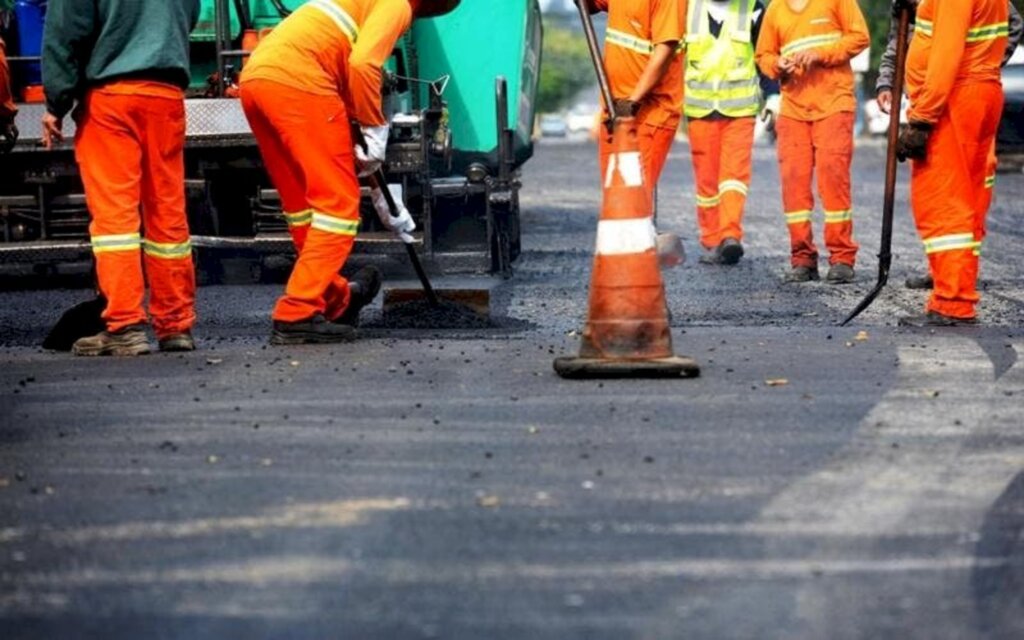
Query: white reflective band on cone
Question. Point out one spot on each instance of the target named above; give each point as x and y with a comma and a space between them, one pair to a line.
621, 237
629, 167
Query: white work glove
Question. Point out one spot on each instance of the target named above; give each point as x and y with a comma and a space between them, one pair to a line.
370, 159
401, 225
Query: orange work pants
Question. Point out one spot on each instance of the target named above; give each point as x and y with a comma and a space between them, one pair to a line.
655, 143
824, 147
950, 194
722, 150
130, 147
306, 143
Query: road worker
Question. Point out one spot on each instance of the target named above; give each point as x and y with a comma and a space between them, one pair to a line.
123, 67
644, 61
318, 72
956, 102
883, 89
722, 99
807, 45
8, 130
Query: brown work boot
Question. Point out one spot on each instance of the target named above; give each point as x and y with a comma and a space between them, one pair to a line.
802, 274
129, 341
840, 273
935, 319
315, 330
920, 282
178, 342
364, 287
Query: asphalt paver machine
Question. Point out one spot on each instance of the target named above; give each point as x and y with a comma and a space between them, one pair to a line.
460, 91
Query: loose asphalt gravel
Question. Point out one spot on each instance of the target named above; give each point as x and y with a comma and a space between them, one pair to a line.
814, 482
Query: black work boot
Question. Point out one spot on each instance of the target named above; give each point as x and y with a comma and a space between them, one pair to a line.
935, 319
730, 251
840, 273
920, 282
178, 342
129, 341
315, 330
364, 287
802, 274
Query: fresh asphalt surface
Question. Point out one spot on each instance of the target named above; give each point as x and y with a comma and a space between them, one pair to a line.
815, 482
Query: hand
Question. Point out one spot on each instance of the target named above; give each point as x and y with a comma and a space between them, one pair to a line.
52, 130
401, 225
785, 66
913, 141
884, 99
370, 157
625, 108
8, 134
806, 59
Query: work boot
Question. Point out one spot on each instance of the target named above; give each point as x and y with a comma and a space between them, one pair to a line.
178, 342
129, 341
840, 273
364, 287
710, 256
730, 251
802, 274
935, 319
920, 282
315, 330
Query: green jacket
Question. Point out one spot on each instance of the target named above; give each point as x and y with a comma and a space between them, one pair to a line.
91, 42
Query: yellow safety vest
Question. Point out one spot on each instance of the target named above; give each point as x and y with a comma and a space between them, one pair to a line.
720, 72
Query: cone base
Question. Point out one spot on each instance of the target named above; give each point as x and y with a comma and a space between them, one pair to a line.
590, 368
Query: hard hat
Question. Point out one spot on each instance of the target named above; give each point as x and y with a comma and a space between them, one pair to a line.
433, 8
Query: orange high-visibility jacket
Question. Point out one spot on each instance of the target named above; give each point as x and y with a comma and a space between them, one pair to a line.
332, 47
955, 42
7, 108
837, 31
634, 28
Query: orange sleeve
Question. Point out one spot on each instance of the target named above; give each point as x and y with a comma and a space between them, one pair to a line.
668, 21
855, 35
7, 108
385, 24
950, 26
766, 54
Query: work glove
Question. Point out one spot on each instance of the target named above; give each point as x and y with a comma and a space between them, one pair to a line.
8, 134
913, 141
626, 108
370, 154
401, 225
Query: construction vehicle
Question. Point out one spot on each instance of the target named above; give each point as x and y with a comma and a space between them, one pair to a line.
460, 91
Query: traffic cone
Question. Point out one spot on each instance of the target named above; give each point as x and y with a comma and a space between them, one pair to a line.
627, 333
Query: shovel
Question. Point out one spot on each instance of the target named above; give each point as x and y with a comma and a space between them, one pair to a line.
885, 247
82, 320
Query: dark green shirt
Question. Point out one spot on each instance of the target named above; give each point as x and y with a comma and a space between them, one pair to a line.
92, 42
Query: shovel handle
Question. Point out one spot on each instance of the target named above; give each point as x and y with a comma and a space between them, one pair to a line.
595, 56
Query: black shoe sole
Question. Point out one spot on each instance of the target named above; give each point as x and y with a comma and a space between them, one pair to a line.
285, 338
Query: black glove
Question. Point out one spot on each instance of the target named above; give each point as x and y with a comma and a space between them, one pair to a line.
8, 135
626, 108
913, 141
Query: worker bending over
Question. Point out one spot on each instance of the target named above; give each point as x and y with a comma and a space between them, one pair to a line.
305, 84
644, 61
723, 96
883, 89
956, 101
807, 45
123, 67
8, 130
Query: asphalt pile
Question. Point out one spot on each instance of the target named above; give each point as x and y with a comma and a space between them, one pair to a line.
420, 314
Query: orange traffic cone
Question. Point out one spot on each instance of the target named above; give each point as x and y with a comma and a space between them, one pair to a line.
627, 333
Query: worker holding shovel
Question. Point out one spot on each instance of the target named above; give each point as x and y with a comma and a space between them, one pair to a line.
318, 70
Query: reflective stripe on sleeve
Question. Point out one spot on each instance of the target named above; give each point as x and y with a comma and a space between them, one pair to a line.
622, 237
626, 41
337, 226
796, 217
299, 218
989, 32
169, 250
339, 16
121, 242
839, 216
952, 242
811, 42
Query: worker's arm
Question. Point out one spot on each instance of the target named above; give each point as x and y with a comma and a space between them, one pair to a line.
855, 37
952, 21
1016, 31
668, 24
887, 65
67, 36
385, 24
768, 50
7, 108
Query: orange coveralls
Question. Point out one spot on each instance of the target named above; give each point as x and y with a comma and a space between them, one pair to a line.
129, 143
7, 108
953, 81
318, 70
815, 127
634, 28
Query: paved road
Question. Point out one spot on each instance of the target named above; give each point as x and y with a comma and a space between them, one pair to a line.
445, 484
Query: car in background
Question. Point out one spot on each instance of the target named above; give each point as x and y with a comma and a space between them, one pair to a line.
1010, 139
583, 118
552, 125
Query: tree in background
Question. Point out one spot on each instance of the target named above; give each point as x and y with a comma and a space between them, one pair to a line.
565, 68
